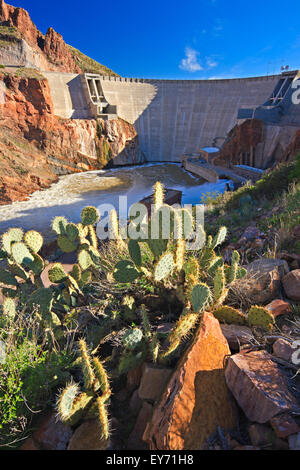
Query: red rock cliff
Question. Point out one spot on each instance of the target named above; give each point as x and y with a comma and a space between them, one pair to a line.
48, 52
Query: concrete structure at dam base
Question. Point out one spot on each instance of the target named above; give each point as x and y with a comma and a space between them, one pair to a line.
177, 117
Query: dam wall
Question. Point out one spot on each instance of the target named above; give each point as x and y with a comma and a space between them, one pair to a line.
171, 117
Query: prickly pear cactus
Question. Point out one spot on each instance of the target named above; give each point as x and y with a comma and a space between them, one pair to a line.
201, 296
135, 252
57, 273
59, 225
34, 241
132, 338
125, 272
164, 267
260, 316
90, 216
230, 315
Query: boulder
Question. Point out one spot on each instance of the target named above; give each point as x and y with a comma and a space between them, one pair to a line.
250, 233
262, 282
259, 385
284, 425
153, 382
291, 285
52, 434
294, 441
237, 335
135, 440
279, 307
196, 400
283, 349
87, 437
261, 435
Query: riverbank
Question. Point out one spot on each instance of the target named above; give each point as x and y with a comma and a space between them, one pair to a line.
71, 193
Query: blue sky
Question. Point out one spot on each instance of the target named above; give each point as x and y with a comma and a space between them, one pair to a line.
191, 39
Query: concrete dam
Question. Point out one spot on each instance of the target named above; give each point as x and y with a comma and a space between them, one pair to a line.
173, 117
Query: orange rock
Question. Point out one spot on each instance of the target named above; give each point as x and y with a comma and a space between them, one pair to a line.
279, 307
196, 400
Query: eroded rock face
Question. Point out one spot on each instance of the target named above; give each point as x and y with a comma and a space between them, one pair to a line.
196, 400
58, 52
259, 386
50, 52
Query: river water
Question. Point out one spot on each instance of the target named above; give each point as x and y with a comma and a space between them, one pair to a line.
73, 192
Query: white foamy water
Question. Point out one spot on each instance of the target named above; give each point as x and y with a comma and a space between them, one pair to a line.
72, 193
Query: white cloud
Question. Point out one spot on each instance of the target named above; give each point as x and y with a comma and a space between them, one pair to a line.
211, 63
190, 62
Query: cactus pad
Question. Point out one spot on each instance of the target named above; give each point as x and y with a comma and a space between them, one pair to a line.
65, 244
132, 338
125, 272
230, 315
164, 267
59, 225
260, 316
34, 240
90, 215
57, 273
21, 254
201, 296
135, 252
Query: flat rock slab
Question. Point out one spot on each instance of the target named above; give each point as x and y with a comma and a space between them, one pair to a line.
196, 400
259, 386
